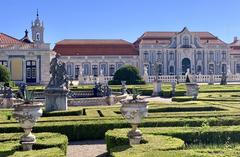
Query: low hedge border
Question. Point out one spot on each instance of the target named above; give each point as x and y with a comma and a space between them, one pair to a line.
117, 142
86, 130
50, 144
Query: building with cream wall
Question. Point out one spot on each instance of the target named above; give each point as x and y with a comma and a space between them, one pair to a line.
27, 60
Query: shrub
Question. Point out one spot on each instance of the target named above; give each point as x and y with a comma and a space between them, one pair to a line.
127, 73
4, 74
47, 145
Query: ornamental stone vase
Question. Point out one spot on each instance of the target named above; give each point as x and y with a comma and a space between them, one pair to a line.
134, 111
27, 115
192, 90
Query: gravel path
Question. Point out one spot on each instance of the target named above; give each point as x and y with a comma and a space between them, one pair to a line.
95, 148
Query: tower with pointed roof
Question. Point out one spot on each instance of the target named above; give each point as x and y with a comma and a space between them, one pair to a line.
37, 31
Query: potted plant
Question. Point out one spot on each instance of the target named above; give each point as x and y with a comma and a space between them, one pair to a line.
134, 110
27, 113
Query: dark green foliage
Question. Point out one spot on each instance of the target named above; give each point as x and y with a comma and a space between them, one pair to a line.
127, 73
4, 74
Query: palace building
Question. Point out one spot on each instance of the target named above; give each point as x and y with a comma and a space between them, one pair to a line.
27, 60
175, 52
171, 53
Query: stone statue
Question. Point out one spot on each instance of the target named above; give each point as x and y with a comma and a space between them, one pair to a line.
101, 72
7, 96
188, 76
59, 74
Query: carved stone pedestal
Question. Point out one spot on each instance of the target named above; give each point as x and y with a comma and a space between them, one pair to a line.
56, 99
157, 88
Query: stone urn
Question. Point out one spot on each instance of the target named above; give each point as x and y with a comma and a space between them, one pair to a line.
134, 110
192, 90
27, 115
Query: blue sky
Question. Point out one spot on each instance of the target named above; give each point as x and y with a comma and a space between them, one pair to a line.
125, 19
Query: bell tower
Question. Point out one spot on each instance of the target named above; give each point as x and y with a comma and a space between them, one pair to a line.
37, 30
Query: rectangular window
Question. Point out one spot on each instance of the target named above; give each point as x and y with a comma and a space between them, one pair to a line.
199, 56
211, 56
224, 56
86, 69
171, 56
159, 56
238, 68
146, 57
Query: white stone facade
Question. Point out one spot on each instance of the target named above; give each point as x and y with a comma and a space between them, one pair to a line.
184, 51
92, 65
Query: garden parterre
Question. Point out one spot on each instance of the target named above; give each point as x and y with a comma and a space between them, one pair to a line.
192, 128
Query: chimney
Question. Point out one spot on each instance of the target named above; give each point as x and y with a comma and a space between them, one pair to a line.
235, 39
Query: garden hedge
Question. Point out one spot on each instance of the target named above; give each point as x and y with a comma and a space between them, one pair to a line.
117, 142
47, 145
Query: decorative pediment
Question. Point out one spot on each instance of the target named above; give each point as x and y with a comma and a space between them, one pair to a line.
185, 39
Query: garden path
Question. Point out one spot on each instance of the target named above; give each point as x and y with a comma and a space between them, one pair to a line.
93, 148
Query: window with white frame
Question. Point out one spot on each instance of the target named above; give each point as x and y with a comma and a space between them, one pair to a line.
199, 55
86, 69
171, 70
95, 70
111, 70
171, 56
103, 67
224, 55
211, 55
238, 68
211, 69
159, 56
146, 56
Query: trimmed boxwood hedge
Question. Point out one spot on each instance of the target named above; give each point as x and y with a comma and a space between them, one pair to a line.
117, 142
47, 145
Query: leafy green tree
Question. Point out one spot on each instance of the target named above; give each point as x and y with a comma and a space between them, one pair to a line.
4, 74
127, 73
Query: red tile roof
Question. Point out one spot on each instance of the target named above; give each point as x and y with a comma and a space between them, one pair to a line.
235, 45
165, 37
9, 42
95, 47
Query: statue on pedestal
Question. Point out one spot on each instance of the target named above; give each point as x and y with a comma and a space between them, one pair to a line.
57, 88
58, 71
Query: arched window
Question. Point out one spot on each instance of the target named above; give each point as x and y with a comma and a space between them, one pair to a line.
171, 70
224, 68
103, 67
199, 69
86, 69
95, 70
111, 70
69, 69
160, 69
38, 36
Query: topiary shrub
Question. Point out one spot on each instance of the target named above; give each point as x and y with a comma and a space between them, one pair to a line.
127, 73
4, 74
